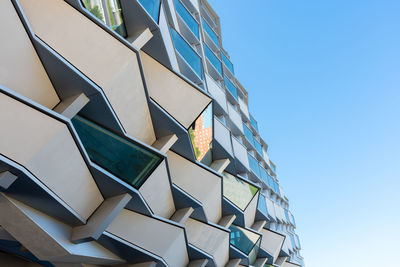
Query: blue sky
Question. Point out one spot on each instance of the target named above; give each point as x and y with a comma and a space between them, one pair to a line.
324, 84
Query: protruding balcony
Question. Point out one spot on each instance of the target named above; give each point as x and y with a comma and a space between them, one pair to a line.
235, 120
116, 72
189, 61
214, 65
232, 95
240, 152
210, 37
240, 198
219, 95
222, 135
246, 241
227, 64
117, 155
135, 165
187, 23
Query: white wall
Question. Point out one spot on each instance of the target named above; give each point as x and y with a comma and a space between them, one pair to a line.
20, 67
46, 148
104, 59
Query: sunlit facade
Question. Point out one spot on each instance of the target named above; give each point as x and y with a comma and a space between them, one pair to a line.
127, 140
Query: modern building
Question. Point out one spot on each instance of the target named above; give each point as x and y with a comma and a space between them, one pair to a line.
126, 140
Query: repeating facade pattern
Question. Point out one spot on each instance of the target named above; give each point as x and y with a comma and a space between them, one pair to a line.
126, 140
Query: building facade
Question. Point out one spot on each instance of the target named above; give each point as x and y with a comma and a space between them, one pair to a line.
126, 140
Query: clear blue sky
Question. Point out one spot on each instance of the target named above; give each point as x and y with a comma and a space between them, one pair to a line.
324, 84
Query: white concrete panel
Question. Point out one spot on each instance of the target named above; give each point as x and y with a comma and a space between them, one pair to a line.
203, 185
105, 60
46, 148
270, 208
265, 154
250, 212
210, 239
244, 108
163, 239
47, 238
289, 264
183, 101
271, 242
240, 152
235, 117
20, 67
222, 135
157, 192
216, 92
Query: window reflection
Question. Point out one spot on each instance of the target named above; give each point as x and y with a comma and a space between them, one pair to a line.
152, 7
187, 52
117, 155
201, 136
246, 241
108, 11
238, 191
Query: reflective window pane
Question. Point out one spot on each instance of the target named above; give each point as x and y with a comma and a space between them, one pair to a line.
227, 62
108, 11
152, 7
201, 135
187, 52
253, 123
210, 32
213, 59
254, 165
258, 147
119, 156
262, 204
187, 18
238, 191
245, 240
231, 87
248, 134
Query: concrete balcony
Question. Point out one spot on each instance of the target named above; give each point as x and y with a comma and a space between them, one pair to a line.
211, 239
272, 244
163, 238
240, 152
19, 59
235, 120
240, 199
44, 146
202, 184
180, 98
223, 136
218, 94
116, 72
244, 109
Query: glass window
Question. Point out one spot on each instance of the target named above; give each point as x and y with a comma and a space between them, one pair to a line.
187, 18
258, 147
201, 135
187, 52
248, 134
254, 165
213, 59
264, 176
231, 87
254, 123
238, 191
227, 62
246, 241
286, 215
119, 156
108, 11
152, 7
262, 205
210, 32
